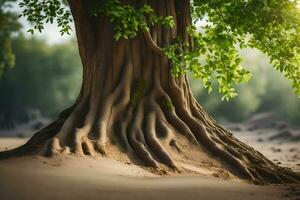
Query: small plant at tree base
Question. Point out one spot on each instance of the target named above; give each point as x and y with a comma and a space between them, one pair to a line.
138, 92
169, 105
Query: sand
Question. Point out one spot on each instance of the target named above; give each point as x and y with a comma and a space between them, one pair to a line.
86, 178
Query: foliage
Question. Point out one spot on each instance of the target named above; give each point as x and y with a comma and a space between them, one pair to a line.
220, 59
128, 21
8, 25
39, 68
39, 12
266, 92
271, 26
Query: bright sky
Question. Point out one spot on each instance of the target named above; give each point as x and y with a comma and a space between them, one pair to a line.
50, 33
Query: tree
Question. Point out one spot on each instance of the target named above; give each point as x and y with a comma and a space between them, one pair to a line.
135, 95
8, 25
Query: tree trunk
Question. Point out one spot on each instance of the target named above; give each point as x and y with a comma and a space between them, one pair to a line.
130, 102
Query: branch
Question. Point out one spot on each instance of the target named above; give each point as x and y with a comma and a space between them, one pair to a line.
152, 44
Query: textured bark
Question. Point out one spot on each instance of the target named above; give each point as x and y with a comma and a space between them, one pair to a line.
130, 99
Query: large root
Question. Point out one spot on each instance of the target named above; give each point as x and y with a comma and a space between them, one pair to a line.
149, 132
155, 127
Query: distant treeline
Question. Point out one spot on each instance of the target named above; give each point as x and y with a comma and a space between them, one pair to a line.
45, 78
48, 78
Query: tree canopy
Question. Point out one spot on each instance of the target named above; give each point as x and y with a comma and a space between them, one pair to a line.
220, 29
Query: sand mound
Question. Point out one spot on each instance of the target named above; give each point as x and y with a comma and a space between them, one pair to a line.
78, 178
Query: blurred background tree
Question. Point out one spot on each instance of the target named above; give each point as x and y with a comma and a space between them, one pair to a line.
8, 26
39, 67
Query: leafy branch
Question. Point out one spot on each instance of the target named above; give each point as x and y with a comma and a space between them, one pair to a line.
46, 11
128, 21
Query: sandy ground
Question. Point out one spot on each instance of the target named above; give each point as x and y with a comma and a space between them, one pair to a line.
277, 140
83, 178
285, 154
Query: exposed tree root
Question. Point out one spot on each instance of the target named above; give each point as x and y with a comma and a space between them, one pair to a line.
142, 130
